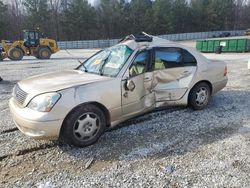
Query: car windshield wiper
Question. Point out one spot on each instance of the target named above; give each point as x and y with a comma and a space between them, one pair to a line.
85, 68
82, 64
104, 63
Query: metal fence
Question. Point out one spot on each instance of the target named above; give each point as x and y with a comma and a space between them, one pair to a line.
86, 44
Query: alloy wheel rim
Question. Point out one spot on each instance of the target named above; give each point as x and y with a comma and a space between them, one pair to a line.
201, 96
86, 126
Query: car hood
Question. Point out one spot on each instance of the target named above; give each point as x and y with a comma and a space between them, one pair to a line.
58, 80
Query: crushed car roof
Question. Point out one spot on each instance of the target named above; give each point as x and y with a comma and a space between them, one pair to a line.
143, 40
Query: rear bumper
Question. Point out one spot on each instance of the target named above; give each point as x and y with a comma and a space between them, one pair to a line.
32, 127
217, 86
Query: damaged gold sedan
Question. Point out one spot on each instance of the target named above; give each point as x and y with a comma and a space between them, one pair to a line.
137, 75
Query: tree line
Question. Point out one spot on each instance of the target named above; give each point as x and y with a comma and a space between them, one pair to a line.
79, 20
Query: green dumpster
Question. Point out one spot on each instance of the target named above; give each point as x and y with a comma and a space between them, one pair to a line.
228, 45
233, 45
199, 45
216, 43
204, 46
210, 46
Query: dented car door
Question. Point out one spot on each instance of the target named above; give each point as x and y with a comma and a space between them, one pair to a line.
173, 71
137, 94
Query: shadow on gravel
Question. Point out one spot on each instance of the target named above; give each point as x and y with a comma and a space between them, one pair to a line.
7, 82
6, 86
173, 131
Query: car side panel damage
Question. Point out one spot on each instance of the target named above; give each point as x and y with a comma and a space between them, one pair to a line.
172, 84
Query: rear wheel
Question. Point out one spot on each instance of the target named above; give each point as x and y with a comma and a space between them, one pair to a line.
15, 54
43, 53
83, 126
199, 96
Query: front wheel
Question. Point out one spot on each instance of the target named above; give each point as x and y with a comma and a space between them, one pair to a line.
43, 53
199, 96
83, 126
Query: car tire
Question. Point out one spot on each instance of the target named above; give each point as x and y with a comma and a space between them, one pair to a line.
83, 126
15, 54
199, 96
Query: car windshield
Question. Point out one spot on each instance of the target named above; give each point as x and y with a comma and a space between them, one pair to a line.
107, 62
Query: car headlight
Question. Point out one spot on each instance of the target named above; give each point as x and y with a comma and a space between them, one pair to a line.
44, 102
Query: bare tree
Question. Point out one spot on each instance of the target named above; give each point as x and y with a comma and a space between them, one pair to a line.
78, 20
55, 8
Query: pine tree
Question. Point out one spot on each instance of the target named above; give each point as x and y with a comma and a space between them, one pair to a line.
39, 14
162, 17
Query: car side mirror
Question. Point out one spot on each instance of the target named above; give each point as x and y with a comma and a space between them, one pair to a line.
129, 85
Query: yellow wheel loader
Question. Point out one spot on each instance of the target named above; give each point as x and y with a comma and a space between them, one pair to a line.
32, 45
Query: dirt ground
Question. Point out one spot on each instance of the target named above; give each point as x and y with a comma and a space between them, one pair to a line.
174, 147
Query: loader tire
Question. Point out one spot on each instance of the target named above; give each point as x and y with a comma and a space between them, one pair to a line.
1, 57
44, 53
15, 54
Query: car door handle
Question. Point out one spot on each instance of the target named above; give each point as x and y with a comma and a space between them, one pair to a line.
125, 94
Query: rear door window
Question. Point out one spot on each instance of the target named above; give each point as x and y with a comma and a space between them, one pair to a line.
167, 58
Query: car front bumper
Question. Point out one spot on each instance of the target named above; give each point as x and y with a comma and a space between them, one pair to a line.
31, 122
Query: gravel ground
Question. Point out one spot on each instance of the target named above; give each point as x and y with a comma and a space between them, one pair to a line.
175, 147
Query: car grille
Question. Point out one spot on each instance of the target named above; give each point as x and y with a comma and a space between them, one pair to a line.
19, 95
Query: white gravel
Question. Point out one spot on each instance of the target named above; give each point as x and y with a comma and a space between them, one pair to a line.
176, 147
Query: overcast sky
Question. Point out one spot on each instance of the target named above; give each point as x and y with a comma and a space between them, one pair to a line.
93, 2
96, 2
